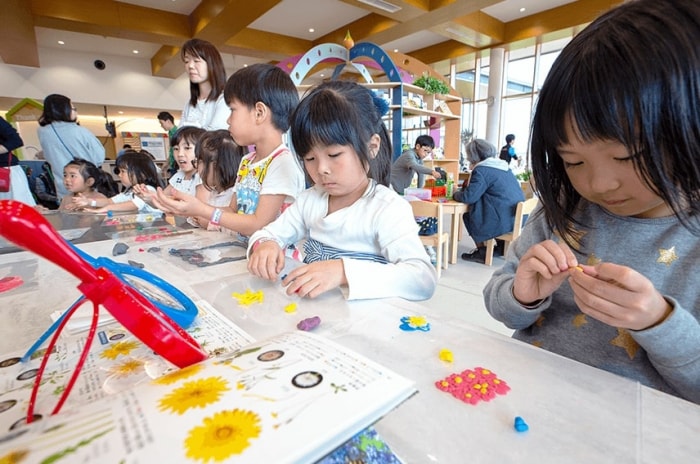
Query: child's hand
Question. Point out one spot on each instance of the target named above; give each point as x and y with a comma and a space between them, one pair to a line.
178, 203
316, 278
144, 193
79, 202
541, 271
266, 260
618, 296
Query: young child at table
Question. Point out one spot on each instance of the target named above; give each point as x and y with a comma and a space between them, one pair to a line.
606, 271
84, 180
133, 168
262, 98
185, 178
359, 233
217, 161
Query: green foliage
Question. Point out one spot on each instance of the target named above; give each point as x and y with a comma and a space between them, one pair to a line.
432, 85
524, 176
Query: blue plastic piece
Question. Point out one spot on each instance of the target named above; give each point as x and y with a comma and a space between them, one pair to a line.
520, 425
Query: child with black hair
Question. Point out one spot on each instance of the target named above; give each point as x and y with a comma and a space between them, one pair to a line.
133, 168
217, 161
359, 233
261, 98
84, 180
605, 271
185, 179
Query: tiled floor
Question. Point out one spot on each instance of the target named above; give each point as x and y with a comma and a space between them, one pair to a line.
459, 292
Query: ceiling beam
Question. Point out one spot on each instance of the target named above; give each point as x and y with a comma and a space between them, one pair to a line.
17, 39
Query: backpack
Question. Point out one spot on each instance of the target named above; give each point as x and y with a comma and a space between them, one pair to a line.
505, 156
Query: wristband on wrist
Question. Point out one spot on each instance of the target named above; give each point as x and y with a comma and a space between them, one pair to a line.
262, 240
93, 203
216, 217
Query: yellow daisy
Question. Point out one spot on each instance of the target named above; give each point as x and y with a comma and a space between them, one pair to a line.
126, 368
180, 374
14, 457
222, 435
119, 348
195, 394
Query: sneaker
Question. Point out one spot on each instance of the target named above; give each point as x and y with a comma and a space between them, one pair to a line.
433, 255
476, 256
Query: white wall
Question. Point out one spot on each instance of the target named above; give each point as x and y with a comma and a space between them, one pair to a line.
125, 81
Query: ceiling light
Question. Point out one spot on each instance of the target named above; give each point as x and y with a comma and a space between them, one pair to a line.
61, 42
396, 50
382, 5
522, 9
135, 52
311, 29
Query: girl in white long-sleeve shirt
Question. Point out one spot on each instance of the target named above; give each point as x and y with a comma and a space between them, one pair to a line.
360, 235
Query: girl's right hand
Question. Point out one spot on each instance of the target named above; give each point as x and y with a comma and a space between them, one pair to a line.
79, 202
542, 270
266, 260
179, 203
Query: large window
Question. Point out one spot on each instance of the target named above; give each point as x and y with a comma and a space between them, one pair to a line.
525, 70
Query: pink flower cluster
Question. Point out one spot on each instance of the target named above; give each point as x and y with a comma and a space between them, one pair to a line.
472, 386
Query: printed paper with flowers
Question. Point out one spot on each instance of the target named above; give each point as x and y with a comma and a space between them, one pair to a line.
293, 398
117, 361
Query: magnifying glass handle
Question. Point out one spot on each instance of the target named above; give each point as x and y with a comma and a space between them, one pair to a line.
26, 227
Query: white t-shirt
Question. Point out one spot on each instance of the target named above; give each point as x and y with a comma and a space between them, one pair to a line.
209, 115
189, 186
142, 206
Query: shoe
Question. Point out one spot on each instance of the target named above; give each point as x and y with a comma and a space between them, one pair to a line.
500, 246
433, 255
476, 256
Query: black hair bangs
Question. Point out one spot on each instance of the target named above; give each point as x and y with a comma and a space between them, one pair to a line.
315, 124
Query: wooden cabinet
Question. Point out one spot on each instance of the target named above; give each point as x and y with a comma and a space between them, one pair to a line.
414, 112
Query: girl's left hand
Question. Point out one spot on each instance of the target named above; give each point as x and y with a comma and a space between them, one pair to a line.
316, 278
618, 296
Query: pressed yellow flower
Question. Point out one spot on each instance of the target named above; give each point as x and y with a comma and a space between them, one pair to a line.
195, 394
126, 368
249, 297
119, 348
179, 374
14, 457
417, 321
222, 435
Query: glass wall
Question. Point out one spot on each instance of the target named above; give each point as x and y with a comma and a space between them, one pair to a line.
525, 69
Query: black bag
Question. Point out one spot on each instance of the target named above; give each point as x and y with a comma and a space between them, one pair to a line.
428, 226
505, 156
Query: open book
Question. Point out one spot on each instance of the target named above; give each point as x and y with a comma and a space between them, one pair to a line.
292, 398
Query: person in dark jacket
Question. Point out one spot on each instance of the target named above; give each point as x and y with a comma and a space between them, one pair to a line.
492, 194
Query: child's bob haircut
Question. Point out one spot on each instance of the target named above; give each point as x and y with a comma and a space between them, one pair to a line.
267, 84
140, 167
217, 152
343, 113
191, 134
633, 77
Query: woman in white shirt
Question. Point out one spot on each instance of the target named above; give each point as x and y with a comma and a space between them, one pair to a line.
205, 68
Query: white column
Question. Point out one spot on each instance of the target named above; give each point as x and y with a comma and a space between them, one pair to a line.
493, 111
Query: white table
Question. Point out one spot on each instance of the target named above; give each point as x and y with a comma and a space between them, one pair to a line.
576, 413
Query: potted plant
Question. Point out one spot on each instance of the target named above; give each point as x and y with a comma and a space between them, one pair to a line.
431, 85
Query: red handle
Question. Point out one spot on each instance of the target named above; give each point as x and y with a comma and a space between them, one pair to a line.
26, 227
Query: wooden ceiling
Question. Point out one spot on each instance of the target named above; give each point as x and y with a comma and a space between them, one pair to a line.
226, 23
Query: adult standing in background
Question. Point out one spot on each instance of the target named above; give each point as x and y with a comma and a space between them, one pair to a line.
411, 162
492, 194
167, 122
19, 187
205, 68
62, 139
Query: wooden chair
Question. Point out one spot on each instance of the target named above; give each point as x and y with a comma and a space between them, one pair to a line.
524, 207
441, 239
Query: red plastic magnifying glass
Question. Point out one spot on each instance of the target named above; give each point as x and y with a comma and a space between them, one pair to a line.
27, 228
